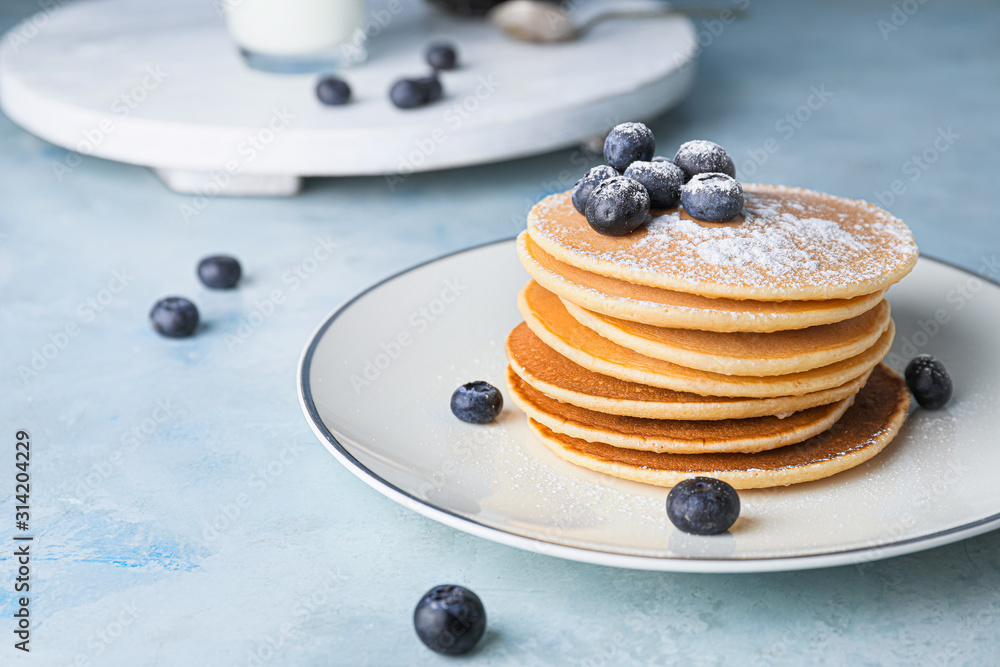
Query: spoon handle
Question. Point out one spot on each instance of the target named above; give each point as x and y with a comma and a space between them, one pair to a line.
693, 10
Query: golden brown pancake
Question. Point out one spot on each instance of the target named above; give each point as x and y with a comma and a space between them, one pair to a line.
665, 308
865, 429
671, 435
546, 316
549, 372
754, 354
789, 244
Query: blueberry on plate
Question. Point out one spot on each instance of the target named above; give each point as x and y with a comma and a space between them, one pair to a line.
712, 197
432, 84
408, 94
701, 157
703, 506
174, 317
627, 143
450, 619
333, 91
441, 56
928, 381
663, 181
219, 271
477, 402
585, 186
618, 206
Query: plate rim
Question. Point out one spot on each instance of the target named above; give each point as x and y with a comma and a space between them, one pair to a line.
855, 556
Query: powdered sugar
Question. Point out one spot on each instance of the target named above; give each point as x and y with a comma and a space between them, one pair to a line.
788, 237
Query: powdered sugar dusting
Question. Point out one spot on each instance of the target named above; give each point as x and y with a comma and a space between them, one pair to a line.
788, 237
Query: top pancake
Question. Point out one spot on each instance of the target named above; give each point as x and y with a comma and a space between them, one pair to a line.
789, 244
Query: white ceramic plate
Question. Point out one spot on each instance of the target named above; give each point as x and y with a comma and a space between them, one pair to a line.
376, 378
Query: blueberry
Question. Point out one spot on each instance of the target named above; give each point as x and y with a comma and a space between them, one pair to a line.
219, 272
408, 94
663, 181
618, 206
441, 55
174, 317
928, 381
627, 143
432, 84
701, 157
585, 186
333, 91
712, 197
703, 506
477, 402
450, 619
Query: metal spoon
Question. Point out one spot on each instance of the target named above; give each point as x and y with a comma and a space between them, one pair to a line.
544, 22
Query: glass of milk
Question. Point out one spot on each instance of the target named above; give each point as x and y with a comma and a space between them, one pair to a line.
294, 36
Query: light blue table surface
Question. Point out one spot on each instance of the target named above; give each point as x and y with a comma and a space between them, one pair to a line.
140, 443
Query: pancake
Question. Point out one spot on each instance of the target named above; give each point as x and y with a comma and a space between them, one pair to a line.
789, 244
756, 354
865, 429
546, 316
671, 435
665, 308
549, 372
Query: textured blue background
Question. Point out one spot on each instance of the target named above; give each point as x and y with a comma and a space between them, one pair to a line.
306, 565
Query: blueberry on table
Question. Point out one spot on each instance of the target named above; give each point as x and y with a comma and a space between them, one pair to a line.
702, 157
712, 197
618, 206
477, 402
662, 180
219, 272
174, 317
585, 186
408, 94
703, 506
928, 381
441, 56
627, 143
333, 91
432, 84
450, 619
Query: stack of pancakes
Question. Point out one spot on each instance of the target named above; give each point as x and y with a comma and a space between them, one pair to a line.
748, 350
